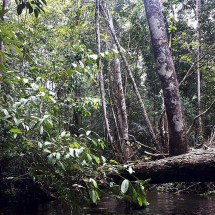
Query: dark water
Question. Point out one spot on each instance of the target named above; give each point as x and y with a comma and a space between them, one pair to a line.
160, 203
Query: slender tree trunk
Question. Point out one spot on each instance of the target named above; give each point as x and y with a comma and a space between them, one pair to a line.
120, 105
101, 78
198, 37
164, 130
136, 91
167, 75
4, 8
77, 120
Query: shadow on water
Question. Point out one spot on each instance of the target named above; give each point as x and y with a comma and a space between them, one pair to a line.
160, 203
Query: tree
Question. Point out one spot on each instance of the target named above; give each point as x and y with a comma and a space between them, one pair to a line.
167, 75
134, 85
119, 101
199, 81
4, 10
101, 77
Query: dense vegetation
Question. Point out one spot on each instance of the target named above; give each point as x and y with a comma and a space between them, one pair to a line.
69, 110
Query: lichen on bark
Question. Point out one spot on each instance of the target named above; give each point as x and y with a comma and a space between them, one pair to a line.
167, 75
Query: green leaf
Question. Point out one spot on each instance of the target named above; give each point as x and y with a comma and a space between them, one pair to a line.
104, 160
5, 112
125, 186
130, 170
17, 50
93, 56
20, 8
47, 151
89, 157
44, 2
25, 80
34, 86
41, 88
15, 131
62, 166
88, 133
74, 65
3, 58
2, 13
40, 145
36, 12
140, 201
50, 157
41, 130
97, 160
94, 183
94, 196
114, 162
63, 134
58, 156
30, 8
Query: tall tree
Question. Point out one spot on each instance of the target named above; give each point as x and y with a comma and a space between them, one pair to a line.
101, 78
167, 75
120, 105
198, 40
4, 8
135, 88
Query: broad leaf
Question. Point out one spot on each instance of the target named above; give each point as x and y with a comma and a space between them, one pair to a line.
125, 186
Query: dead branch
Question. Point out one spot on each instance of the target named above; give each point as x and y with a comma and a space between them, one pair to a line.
204, 112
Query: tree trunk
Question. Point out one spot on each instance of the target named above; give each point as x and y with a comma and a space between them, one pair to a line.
4, 8
198, 40
167, 75
136, 91
120, 105
101, 78
163, 128
197, 165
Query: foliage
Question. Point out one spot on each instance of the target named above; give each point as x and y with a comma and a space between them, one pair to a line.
50, 109
134, 192
32, 6
47, 80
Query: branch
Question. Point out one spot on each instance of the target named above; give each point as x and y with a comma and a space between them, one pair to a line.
194, 120
189, 70
189, 73
145, 146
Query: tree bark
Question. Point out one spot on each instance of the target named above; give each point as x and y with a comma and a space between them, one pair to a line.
120, 105
136, 91
167, 75
197, 165
199, 84
101, 78
4, 8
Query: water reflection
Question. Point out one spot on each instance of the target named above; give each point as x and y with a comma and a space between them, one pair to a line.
172, 204
160, 203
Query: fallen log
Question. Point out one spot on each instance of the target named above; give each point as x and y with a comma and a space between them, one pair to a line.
197, 165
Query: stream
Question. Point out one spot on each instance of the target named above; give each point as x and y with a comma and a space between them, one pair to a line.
160, 203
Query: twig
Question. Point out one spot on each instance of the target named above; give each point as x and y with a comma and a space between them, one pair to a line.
148, 147
156, 156
194, 120
179, 191
189, 70
189, 73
